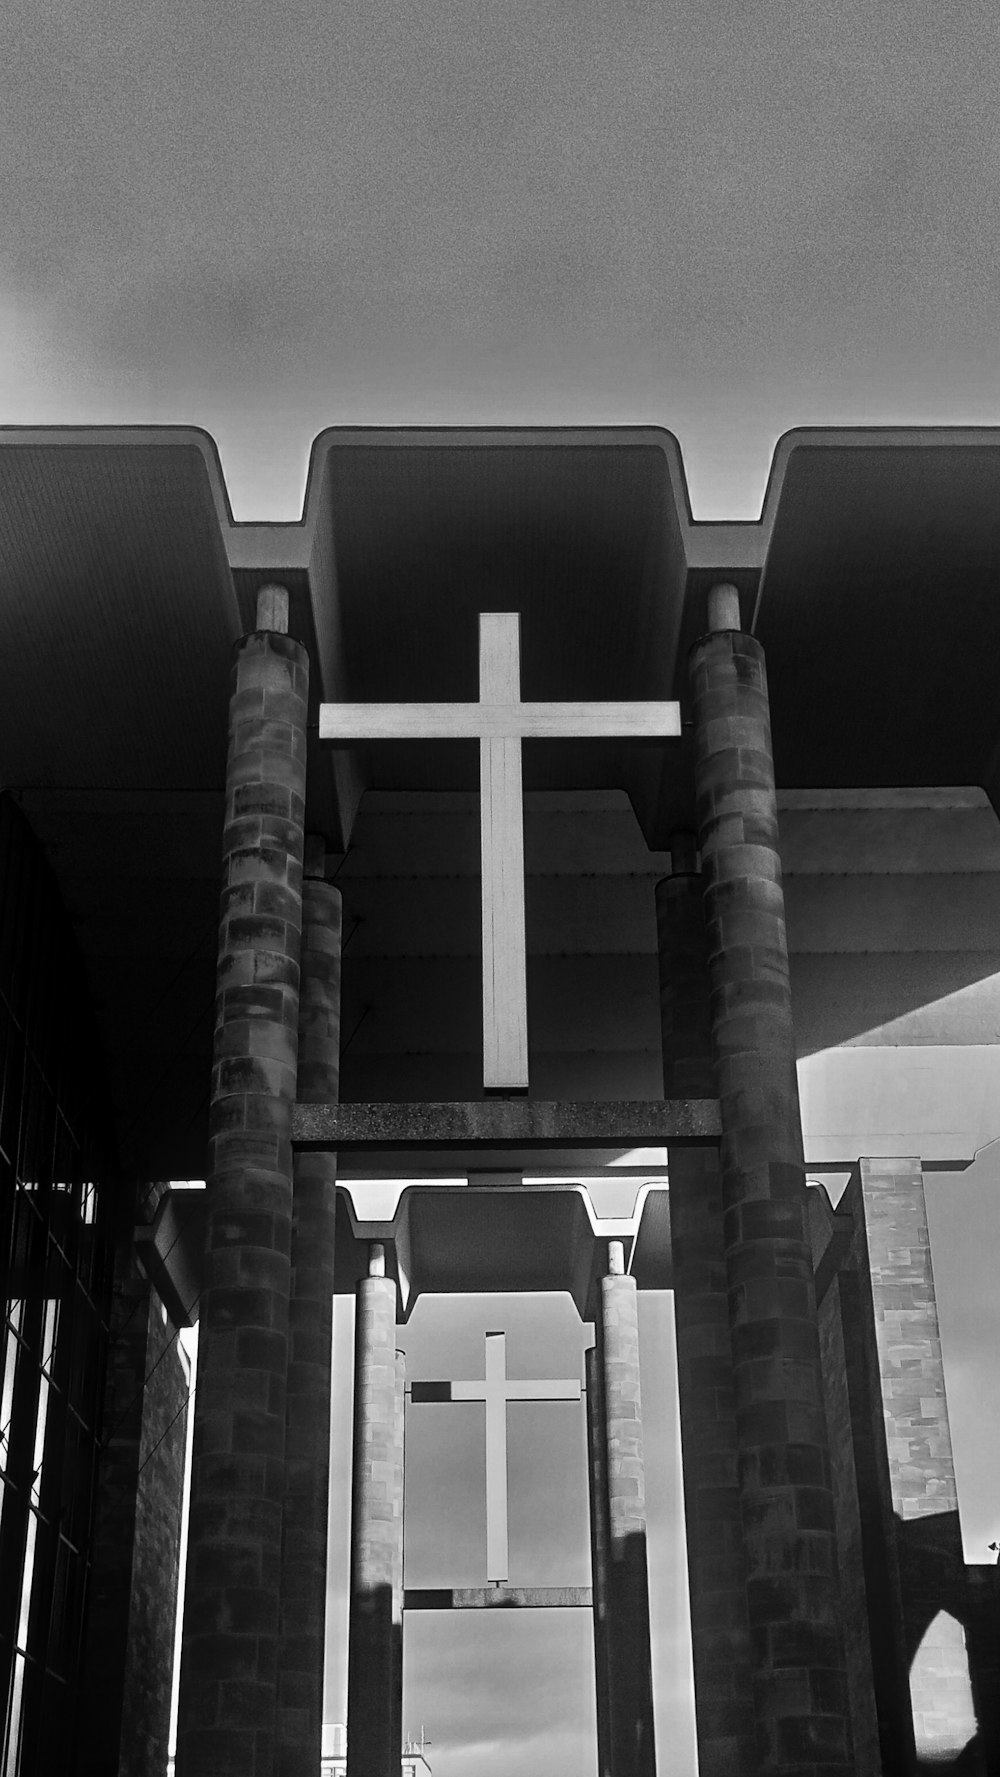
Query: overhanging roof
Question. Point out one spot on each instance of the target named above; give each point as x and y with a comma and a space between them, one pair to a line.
458, 1240
871, 578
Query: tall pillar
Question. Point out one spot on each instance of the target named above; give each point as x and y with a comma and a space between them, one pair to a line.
226, 1723
399, 1425
600, 1534
374, 1660
783, 1458
720, 1640
629, 1667
307, 1420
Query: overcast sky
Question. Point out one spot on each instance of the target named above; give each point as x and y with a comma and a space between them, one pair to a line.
727, 220
511, 1694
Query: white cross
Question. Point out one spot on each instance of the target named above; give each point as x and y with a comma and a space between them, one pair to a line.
495, 1390
500, 721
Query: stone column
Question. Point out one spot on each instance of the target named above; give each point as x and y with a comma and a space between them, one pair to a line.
226, 1724
784, 1466
713, 1524
600, 1532
399, 1425
373, 1662
631, 1683
307, 1421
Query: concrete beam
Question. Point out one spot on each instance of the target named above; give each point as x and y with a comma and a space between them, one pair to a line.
508, 1123
498, 1598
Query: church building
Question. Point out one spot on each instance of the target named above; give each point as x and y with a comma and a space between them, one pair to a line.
559, 838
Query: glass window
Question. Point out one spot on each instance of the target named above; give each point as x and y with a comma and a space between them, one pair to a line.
56, 1186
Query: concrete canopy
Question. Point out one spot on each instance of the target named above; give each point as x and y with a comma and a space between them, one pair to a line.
448, 1240
871, 578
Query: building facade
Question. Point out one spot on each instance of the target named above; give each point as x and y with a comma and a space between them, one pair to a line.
722, 823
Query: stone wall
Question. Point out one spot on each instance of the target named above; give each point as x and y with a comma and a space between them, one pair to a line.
914, 1612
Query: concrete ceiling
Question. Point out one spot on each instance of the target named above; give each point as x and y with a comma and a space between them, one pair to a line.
880, 613
449, 1241
872, 573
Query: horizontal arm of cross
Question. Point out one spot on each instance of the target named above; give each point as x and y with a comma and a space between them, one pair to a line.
476, 1391
486, 721
519, 1391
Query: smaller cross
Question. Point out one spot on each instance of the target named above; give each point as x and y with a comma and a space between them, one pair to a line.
496, 1390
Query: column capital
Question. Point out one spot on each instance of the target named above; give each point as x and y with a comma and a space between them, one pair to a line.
314, 857
683, 853
723, 607
272, 609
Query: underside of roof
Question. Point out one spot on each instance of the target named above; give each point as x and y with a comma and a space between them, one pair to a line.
871, 579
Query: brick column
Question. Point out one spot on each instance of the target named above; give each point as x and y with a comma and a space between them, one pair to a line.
226, 1724
600, 1534
307, 1420
784, 1466
374, 1660
712, 1518
631, 1683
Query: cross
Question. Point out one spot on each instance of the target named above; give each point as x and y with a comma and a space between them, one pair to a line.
496, 1390
500, 721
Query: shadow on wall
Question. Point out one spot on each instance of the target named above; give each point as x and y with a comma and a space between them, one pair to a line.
909, 997
950, 1609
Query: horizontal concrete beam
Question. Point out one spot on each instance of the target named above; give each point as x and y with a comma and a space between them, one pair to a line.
499, 1598
509, 1123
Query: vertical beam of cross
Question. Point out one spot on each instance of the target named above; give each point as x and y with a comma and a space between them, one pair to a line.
500, 722
495, 1396
495, 1390
501, 830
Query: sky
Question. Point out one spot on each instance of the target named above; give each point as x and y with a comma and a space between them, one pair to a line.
511, 1694
727, 220
504, 1693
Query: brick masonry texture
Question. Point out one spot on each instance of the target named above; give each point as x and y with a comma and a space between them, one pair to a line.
307, 1422
231, 1625
374, 1661
720, 1634
631, 1694
793, 1606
